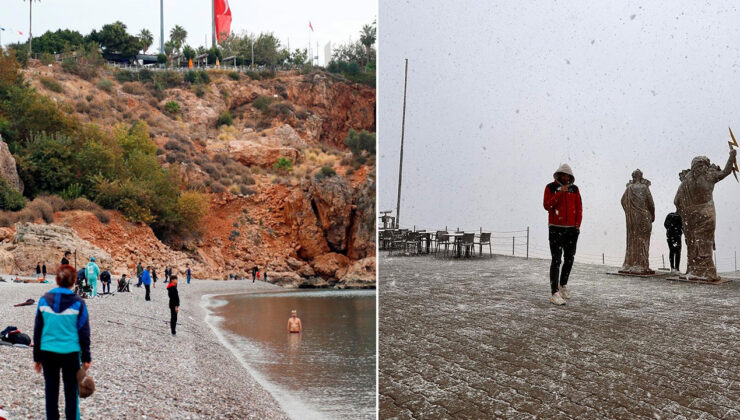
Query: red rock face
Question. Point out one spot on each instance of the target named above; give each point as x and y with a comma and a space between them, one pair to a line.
331, 265
332, 199
299, 214
339, 105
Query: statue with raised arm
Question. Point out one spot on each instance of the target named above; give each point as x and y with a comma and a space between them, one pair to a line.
639, 210
694, 202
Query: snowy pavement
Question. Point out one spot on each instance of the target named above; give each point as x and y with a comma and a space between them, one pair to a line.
480, 339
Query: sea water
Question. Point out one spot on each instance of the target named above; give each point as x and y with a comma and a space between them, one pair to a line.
328, 371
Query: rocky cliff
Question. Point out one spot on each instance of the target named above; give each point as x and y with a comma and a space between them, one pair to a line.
306, 230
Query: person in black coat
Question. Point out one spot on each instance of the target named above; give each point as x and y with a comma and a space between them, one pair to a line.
174, 302
674, 231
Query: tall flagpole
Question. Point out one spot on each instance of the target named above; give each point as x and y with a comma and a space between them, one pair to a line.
213, 23
403, 128
30, 31
161, 26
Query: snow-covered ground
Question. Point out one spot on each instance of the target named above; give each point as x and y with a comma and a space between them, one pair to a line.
480, 339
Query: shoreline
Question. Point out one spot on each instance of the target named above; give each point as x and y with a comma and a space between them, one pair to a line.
139, 368
293, 407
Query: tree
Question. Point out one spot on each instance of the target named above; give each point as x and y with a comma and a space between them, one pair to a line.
146, 38
213, 54
114, 39
188, 52
58, 42
298, 57
177, 36
367, 38
266, 50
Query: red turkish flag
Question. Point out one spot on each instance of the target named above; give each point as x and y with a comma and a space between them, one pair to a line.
223, 19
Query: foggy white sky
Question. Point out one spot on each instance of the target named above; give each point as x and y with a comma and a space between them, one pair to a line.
333, 20
500, 94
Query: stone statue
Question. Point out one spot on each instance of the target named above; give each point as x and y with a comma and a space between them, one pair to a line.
694, 202
639, 211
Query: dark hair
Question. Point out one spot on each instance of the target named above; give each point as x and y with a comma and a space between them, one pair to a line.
173, 277
67, 253
66, 276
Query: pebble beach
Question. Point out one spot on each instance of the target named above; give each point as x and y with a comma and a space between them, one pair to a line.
140, 369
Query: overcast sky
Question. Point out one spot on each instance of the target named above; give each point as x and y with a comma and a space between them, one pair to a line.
333, 20
500, 94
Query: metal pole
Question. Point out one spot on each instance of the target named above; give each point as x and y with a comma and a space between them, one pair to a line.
512, 245
161, 26
30, 29
735, 260
527, 242
213, 23
663, 257
602, 259
252, 66
403, 127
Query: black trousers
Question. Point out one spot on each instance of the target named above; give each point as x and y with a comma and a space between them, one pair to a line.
69, 364
173, 319
674, 251
563, 242
106, 287
146, 286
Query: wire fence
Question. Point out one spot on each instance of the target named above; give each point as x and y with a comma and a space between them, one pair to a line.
519, 243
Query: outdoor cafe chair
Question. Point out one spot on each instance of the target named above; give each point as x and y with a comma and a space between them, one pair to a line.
443, 240
485, 239
468, 244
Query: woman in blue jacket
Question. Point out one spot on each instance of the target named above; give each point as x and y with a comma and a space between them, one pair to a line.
61, 341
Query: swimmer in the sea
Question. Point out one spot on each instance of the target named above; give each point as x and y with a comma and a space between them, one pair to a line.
294, 323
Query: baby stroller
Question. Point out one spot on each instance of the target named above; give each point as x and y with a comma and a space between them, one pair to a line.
124, 284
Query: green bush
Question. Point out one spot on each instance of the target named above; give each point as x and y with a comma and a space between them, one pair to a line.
358, 143
168, 78
146, 75
199, 91
263, 103
234, 75
224, 118
46, 58
51, 84
10, 198
105, 84
283, 165
172, 107
252, 75
197, 77
325, 172
72, 191
126, 76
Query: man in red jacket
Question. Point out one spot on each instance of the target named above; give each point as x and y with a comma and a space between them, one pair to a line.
563, 202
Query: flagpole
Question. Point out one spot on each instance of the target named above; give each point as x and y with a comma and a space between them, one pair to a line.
161, 26
403, 127
213, 23
30, 29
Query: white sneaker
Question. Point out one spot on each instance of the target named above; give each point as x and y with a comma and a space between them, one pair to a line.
564, 292
557, 299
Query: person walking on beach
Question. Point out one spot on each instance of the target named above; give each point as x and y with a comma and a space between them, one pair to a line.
139, 270
254, 273
187, 273
105, 279
154, 278
43, 271
674, 231
265, 276
166, 275
92, 271
294, 323
563, 202
38, 270
146, 279
65, 260
258, 275
61, 337
174, 302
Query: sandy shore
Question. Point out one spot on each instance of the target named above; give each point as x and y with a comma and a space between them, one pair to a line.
140, 369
